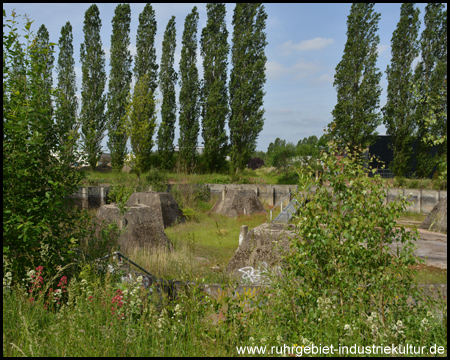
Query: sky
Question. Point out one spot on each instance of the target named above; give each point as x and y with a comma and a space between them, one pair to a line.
305, 44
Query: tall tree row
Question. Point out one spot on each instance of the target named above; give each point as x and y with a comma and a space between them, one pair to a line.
214, 50
42, 57
189, 95
357, 80
93, 83
167, 81
247, 81
119, 85
142, 110
399, 109
431, 81
66, 100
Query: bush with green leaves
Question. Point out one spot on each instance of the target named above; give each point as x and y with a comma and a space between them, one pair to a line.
341, 260
157, 179
39, 228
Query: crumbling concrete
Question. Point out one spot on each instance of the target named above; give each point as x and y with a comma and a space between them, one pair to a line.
236, 202
436, 220
141, 223
163, 205
260, 249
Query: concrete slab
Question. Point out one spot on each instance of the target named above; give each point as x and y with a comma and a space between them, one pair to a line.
432, 247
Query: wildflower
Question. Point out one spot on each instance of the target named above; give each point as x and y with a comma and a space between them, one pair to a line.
263, 340
346, 327
424, 323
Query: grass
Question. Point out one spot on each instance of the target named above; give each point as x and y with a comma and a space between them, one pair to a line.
110, 319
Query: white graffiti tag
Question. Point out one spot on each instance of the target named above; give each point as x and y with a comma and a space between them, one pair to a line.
251, 275
258, 276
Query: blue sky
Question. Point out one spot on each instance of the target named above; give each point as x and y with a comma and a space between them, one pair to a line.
306, 42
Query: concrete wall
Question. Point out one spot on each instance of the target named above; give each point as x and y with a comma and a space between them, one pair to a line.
422, 201
91, 197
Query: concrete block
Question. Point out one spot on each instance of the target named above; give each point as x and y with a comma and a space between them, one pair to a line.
429, 199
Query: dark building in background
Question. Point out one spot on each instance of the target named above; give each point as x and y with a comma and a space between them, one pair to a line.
382, 149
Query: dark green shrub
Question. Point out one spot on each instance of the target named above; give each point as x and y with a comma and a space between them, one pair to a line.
157, 179
288, 178
413, 184
190, 214
202, 193
399, 181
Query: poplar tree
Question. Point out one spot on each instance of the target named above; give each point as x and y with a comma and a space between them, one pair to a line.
399, 109
139, 126
247, 80
66, 101
167, 80
119, 85
189, 95
214, 50
42, 56
357, 79
430, 78
142, 111
145, 59
93, 100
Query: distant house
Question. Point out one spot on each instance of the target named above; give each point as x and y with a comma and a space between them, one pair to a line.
382, 149
199, 149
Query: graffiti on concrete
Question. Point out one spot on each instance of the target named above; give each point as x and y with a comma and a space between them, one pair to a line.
261, 275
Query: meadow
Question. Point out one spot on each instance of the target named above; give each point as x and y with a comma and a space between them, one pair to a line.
93, 317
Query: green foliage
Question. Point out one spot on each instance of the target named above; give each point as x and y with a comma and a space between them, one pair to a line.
357, 80
157, 179
214, 50
119, 194
39, 228
93, 101
190, 214
66, 101
399, 111
399, 181
42, 56
167, 81
280, 153
119, 85
431, 81
145, 59
141, 111
436, 111
247, 80
140, 124
202, 193
288, 178
189, 95
341, 252
308, 147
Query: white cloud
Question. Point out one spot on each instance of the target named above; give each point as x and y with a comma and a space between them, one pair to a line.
382, 48
305, 45
325, 78
299, 70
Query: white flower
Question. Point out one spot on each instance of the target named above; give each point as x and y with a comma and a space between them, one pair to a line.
263, 340
139, 279
279, 338
346, 327
125, 292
